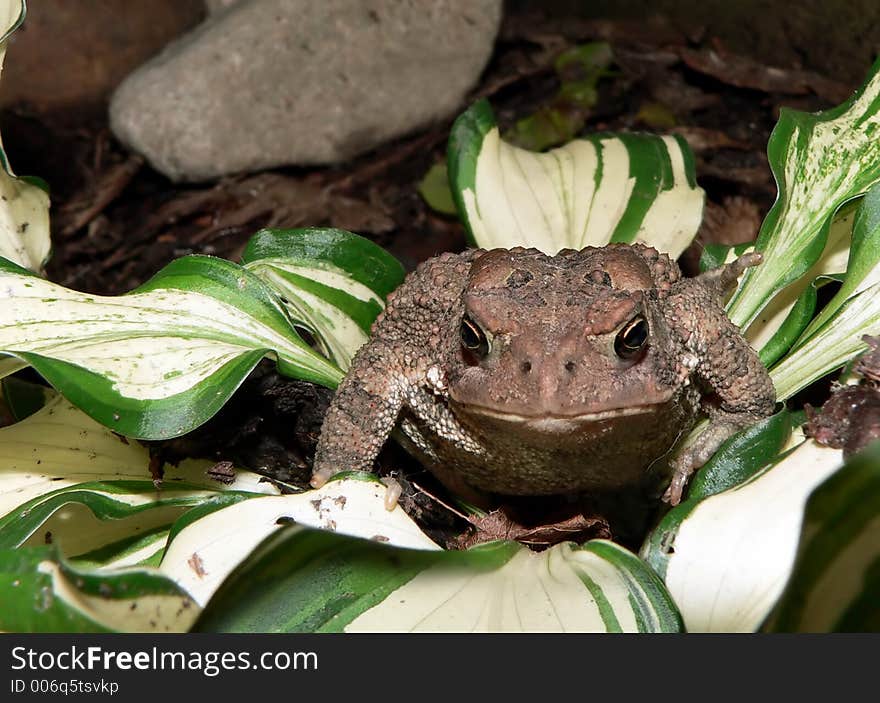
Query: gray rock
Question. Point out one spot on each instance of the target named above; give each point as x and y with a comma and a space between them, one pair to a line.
264, 83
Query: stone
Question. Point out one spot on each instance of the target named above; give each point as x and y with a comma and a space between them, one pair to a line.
265, 83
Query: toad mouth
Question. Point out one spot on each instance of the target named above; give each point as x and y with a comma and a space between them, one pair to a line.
551, 421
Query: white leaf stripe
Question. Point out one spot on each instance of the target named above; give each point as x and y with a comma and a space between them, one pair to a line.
340, 334
581, 194
323, 273
77, 530
224, 538
24, 222
532, 592
732, 554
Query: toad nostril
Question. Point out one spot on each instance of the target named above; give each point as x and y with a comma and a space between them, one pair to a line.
569, 366
526, 366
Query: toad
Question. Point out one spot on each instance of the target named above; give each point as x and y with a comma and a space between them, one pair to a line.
512, 372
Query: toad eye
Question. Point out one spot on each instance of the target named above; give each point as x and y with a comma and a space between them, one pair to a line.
632, 338
473, 338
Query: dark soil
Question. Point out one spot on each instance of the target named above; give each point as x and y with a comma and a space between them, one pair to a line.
116, 222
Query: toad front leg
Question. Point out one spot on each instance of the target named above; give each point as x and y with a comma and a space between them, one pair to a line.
360, 417
396, 368
722, 361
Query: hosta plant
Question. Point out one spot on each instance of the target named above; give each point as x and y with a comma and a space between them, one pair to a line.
774, 533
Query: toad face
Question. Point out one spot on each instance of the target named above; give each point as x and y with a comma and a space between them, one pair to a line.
550, 344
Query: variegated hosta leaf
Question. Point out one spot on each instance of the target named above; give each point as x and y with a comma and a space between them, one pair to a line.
205, 548
60, 446
43, 593
820, 161
863, 259
835, 583
67, 480
780, 324
725, 558
160, 361
834, 337
301, 580
90, 516
832, 346
593, 190
332, 282
24, 203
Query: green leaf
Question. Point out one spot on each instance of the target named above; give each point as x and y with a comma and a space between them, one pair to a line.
796, 320
160, 361
142, 549
741, 456
60, 447
715, 255
24, 204
331, 281
40, 592
221, 539
620, 188
434, 189
836, 576
820, 161
300, 580
725, 557
359, 259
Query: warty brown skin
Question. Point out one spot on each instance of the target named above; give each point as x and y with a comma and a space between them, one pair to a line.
517, 373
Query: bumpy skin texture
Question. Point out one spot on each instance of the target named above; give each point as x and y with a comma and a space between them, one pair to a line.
513, 372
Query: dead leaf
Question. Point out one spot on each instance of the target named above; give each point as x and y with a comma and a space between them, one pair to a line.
743, 168
735, 221
80, 210
497, 525
222, 472
868, 364
702, 139
744, 72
